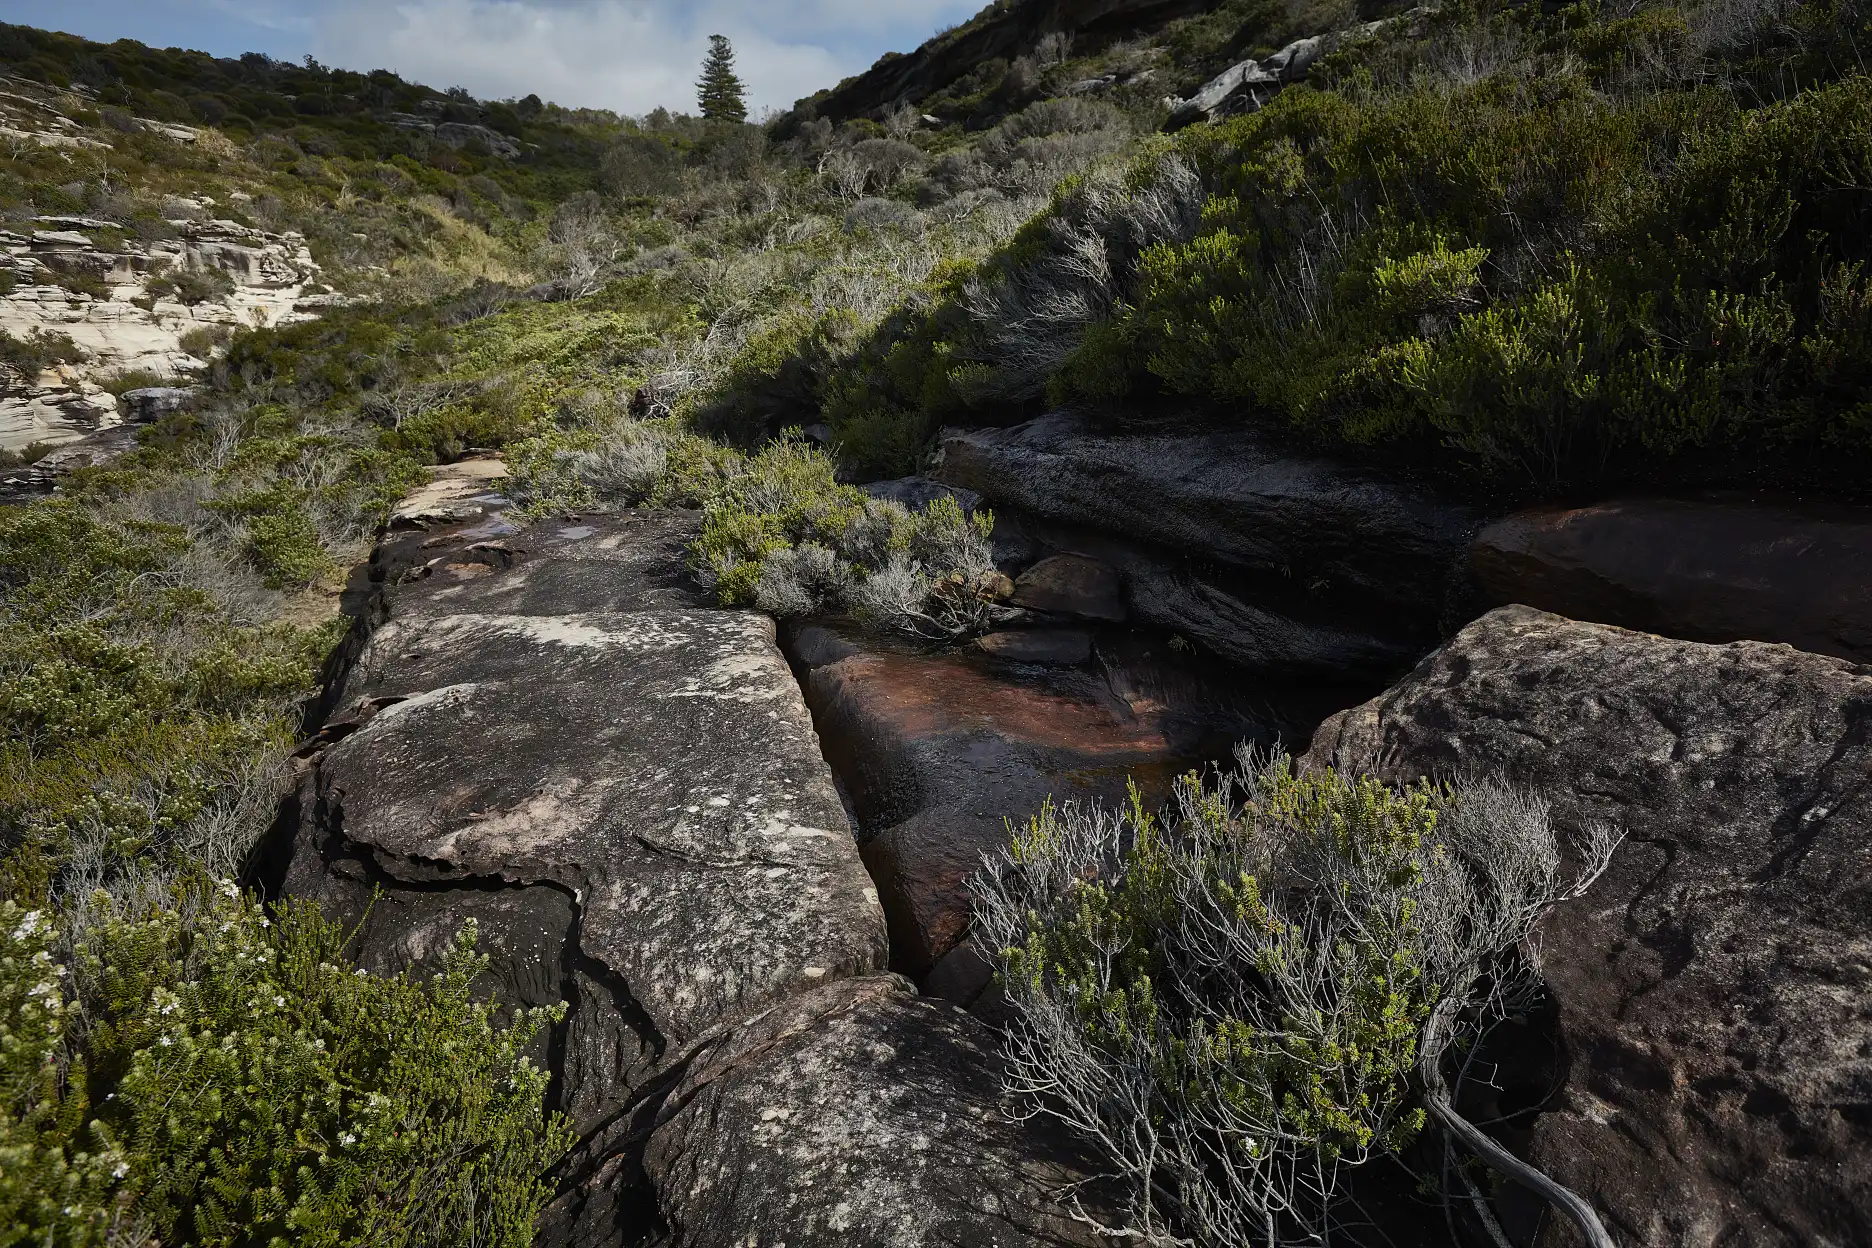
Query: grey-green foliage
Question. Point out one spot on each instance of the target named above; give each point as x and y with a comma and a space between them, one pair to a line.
1230, 1002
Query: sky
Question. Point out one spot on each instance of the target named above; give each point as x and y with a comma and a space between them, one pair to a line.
628, 55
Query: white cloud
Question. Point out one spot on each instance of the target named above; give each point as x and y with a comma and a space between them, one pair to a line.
629, 55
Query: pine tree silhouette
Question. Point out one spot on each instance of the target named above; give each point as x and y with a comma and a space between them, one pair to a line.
722, 95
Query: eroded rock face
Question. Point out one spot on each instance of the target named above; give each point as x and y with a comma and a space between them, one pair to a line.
1228, 495
1281, 564
549, 732
1702, 569
1714, 989
270, 273
856, 1114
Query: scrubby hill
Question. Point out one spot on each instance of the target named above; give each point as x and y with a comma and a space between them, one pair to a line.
1512, 251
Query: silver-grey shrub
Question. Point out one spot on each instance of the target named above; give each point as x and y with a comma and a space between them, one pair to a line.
1234, 1002
1033, 316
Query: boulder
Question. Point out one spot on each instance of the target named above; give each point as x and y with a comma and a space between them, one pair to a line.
857, 1114
1246, 86
1232, 497
152, 403
1700, 569
1071, 585
551, 733
1714, 989
465, 134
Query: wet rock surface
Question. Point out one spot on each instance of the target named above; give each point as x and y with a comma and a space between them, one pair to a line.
936, 750
1701, 569
1714, 989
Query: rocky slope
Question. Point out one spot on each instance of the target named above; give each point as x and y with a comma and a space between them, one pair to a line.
120, 326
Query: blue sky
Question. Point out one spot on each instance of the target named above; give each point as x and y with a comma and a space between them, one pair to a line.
631, 55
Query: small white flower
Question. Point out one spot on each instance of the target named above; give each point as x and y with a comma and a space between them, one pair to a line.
279, 1000
360, 971
163, 1040
347, 1139
119, 1170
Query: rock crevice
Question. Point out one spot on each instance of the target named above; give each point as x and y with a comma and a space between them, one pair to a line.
552, 732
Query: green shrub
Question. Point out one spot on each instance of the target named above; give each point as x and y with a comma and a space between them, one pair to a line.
237, 1081
191, 286
124, 380
1232, 1002
204, 340
33, 355
138, 726
1595, 263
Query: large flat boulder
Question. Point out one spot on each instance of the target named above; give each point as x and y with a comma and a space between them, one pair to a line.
1701, 569
549, 731
1714, 989
856, 1114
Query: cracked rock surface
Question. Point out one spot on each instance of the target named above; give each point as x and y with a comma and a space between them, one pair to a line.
549, 731
1714, 988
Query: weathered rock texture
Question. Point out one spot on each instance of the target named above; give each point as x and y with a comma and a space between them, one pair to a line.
1249, 85
549, 731
1714, 989
270, 274
1277, 562
900, 1142
1701, 569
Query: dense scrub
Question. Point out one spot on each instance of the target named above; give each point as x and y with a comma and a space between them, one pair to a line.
1546, 252
202, 1074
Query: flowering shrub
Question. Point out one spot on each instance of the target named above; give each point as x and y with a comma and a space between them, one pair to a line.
209, 1076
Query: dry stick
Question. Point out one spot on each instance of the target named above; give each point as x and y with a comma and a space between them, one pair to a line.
1429, 1068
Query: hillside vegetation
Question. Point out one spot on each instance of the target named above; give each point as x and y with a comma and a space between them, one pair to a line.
1526, 252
